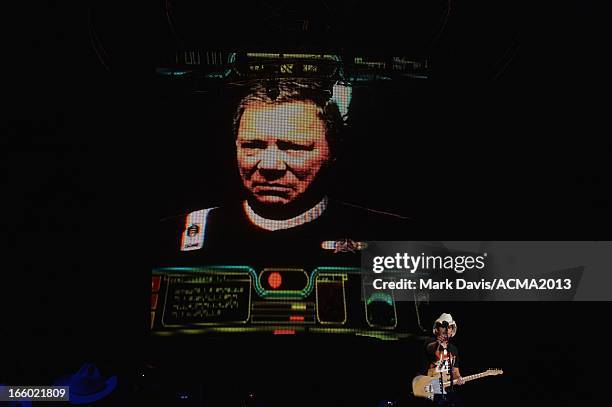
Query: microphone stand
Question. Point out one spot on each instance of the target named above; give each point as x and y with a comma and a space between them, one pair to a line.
442, 391
451, 366
452, 398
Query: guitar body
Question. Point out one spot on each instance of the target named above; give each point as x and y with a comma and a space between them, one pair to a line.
421, 387
427, 386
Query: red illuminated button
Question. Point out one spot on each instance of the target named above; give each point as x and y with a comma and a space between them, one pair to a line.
284, 332
155, 283
275, 280
154, 301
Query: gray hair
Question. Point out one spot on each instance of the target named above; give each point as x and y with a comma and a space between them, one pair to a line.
280, 91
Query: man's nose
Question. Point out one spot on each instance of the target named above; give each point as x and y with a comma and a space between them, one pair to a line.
272, 159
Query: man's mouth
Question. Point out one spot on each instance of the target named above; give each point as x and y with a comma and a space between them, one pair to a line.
272, 188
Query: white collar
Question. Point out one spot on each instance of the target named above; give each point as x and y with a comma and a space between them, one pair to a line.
274, 224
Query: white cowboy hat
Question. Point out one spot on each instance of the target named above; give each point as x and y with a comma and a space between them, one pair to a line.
448, 318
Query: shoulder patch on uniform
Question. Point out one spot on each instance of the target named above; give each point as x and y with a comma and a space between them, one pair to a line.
192, 237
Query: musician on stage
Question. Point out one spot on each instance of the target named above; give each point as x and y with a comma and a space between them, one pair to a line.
442, 359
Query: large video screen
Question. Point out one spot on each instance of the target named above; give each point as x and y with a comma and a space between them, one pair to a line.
271, 210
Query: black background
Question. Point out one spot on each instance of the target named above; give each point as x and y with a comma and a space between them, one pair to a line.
492, 147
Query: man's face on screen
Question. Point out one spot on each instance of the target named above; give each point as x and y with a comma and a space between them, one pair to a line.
280, 148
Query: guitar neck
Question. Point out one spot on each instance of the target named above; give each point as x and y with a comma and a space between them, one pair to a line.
467, 378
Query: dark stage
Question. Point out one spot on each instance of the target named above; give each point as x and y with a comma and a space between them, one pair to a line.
503, 141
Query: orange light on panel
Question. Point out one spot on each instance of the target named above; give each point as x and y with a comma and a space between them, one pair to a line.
296, 318
275, 280
154, 301
284, 332
155, 283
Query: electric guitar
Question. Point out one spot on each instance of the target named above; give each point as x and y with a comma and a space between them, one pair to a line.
427, 386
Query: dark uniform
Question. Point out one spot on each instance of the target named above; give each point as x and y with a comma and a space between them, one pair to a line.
225, 235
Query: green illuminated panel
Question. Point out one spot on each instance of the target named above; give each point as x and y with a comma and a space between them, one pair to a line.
380, 309
206, 299
331, 298
275, 312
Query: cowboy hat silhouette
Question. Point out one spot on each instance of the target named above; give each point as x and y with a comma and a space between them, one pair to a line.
87, 385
